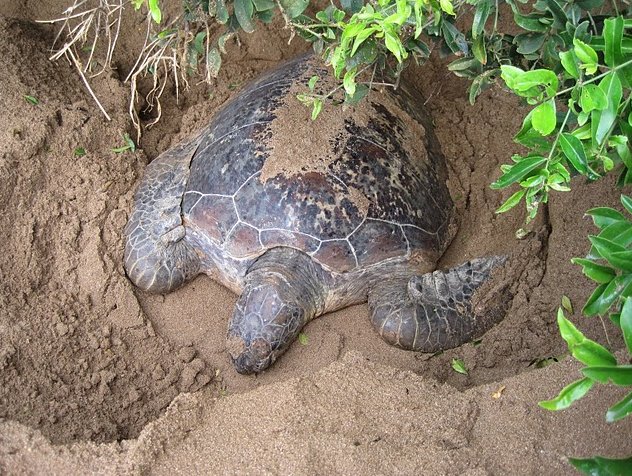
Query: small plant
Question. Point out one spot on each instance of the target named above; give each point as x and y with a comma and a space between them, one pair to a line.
32, 100
303, 339
79, 152
459, 366
129, 145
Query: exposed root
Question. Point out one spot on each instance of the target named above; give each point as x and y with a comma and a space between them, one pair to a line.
172, 52
85, 25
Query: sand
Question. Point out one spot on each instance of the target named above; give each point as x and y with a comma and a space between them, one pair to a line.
98, 377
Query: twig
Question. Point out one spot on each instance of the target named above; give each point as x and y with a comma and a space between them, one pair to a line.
85, 81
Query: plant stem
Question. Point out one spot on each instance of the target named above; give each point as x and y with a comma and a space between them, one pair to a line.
595, 78
557, 138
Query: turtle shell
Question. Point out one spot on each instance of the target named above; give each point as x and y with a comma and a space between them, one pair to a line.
377, 198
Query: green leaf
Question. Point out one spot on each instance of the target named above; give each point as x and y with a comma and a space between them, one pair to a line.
480, 83
591, 353
349, 81
361, 91
619, 232
459, 366
537, 77
618, 411
480, 17
606, 248
598, 273
625, 321
613, 37
478, 49
510, 74
222, 14
598, 466
566, 304
351, 6
79, 152
518, 171
544, 119
264, 5
361, 37
129, 145
214, 62
454, 39
568, 395
511, 201
587, 55
394, 45
244, 9
619, 375
574, 151
571, 335
589, 4
593, 303
463, 64
627, 203
350, 31
603, 120
154, 9
569, 63
446, 6
32, 100
303, 339
604, 216
294, 8
530, 22
593, 98
312, 82
621, 260
558, 13
529, 42
605, 295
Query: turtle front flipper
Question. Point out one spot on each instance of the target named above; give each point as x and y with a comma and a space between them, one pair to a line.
284, 289
435, 311
158, 258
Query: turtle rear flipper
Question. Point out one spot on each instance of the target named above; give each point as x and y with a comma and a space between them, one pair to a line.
435, 311
158, 257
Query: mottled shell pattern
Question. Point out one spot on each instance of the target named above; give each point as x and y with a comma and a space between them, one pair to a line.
408, 205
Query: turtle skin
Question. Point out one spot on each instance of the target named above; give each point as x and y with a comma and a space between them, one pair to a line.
299, 246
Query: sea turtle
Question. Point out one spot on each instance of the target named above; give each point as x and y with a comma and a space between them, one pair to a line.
368, 221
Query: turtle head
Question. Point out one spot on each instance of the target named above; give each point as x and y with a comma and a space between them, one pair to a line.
280, 296
267, 318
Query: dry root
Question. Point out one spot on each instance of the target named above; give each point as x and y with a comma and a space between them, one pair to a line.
91, 25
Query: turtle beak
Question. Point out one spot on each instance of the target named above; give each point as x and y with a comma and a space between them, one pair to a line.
263, 326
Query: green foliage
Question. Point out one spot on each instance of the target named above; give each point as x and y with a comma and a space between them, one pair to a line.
609, 265
32, 100
303, 339
366, 41
459, 366
588, 75
152, 6
603, 466
129, 145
